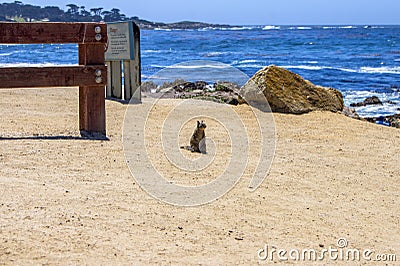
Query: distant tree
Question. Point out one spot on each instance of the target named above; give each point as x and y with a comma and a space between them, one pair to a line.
96, 11
84, 15
31, 13
96, 14
106, 14
115, 11
73, 9
112, 15
17, 11
13, 9
72, 13
53, 13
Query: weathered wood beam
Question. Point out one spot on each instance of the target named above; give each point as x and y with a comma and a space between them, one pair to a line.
92, 109
46, 32
58, 76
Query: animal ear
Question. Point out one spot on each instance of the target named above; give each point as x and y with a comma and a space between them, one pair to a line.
198, 123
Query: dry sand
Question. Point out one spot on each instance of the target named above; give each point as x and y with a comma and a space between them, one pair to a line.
64, 200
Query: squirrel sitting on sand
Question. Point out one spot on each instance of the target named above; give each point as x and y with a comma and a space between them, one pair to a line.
198, 139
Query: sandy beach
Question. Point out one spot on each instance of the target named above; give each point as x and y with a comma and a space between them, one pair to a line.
67, 200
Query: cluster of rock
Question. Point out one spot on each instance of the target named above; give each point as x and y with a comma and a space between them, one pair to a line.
390, 120
368, 101
220, 91
285, 92
183, 25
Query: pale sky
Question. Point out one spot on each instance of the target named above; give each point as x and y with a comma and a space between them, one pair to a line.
250, 12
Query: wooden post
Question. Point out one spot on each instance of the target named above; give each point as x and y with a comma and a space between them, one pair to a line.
109, 78
116, 82
136, 75
127, 80
92, 113
131, 80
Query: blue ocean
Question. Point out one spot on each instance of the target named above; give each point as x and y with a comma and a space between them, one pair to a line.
360, 61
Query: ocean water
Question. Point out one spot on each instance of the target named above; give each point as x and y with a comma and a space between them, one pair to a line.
360, 61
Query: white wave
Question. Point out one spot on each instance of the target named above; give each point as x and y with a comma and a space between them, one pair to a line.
246, 61
249, 66
300, 28
211, 54
227, 29
338, 27
6, 54
270, 27
347, 27
365, 70
377, 110
34, 65
218, 66
374, 27
305, 67
347, 70
151, 51
158, 66
312, 62
198, 66
238, 28
161, 29
358, 96
380, 70
361, 95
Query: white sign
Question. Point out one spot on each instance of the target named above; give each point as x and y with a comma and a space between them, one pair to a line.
120, 41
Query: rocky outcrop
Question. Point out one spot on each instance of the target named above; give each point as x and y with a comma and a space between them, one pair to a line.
391, 120
368, 101
220, 91
350, 112
183, 25
288, 92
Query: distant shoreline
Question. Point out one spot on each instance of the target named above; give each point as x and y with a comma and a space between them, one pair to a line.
20, 12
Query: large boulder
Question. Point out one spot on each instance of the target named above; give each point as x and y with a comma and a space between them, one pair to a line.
288, 92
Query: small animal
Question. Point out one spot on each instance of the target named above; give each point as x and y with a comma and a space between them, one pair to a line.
198, 139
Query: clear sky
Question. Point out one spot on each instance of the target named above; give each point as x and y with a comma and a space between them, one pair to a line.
250, 12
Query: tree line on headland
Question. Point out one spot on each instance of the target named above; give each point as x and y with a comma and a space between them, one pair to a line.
19, 12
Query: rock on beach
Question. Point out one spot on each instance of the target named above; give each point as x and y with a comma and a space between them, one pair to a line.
288, 92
